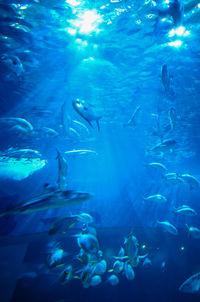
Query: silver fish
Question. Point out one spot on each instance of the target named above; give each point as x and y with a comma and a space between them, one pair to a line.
185, 210
167, 227
86, 111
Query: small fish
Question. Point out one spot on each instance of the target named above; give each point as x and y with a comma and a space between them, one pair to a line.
62, 171
163, 266
172, 117
157, 166
167, 227
22, 153
118, 267
86, 275
156, 198
190, 180
81, 125
100, 267
73, 133
131, 245
45, 201
121, 252
166, 79
13, 121
88, 243
86, 111
95, 280
49, 132
129, 272
194, 232
185, 210
55, 257
13, 63
113, 280
191, 285
175, 9
84, 218
134, 117
61, 225
165, 145
80, 152
173, 178
66, 275
147, 262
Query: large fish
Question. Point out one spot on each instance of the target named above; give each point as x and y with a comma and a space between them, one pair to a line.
191, 285
49, 199
86, 111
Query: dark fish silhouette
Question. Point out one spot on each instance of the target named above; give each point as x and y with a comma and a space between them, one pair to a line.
47, 200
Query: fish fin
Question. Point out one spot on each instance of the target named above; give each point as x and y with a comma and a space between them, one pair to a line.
98, 126
187, 226
89, 122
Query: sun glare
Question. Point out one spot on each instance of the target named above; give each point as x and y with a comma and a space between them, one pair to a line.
87, 22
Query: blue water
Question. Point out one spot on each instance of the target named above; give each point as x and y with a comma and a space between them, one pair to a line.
109, 54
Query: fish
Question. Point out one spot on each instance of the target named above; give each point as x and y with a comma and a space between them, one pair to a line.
66, 275
173, 178
88, 243
62, 171
61, 225
113, 280
22, 153
147, 262
191, 285
54, 258
185, 210
86, 275
83, 217
165, 145
49, 132
77, 123
80, 152
95, 280
175, 9
129, 272
86, 111
172, 117
167, 227
190, 180
47, 200
157, 166
156, 198
166, 79
13, 63
131, 245
194, 231
134, 117
100, 267
121, 252
118, 267
163, 266
13, 121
